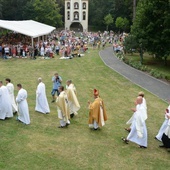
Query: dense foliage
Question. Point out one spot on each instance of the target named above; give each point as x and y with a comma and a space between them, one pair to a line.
46, 11
152, 26
52, 11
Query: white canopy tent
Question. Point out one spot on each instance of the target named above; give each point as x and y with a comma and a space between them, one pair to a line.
30, 28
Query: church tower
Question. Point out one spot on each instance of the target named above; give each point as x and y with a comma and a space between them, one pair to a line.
76, 15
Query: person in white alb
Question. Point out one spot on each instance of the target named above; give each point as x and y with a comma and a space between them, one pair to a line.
41, 99
5, 103
138, 133
144, 115
164, 125
10, 88
21, 99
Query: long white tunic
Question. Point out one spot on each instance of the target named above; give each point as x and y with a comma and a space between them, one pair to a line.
138, 133
144, 113
10, 88
5, 103
164, 126
41, 99
23, 112
167, 130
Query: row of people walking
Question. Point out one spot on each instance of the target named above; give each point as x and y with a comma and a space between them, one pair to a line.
138, 130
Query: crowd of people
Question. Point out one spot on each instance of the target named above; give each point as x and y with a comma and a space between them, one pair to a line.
66, 44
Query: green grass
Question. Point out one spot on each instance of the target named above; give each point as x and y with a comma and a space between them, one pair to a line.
41, 145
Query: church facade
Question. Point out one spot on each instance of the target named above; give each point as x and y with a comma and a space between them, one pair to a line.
76, 15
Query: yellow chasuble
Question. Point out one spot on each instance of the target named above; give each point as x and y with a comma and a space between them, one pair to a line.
97, 112
71, 94
62, 103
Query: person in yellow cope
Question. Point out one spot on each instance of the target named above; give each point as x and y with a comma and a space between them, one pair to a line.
97, 113
63, 108
72, 98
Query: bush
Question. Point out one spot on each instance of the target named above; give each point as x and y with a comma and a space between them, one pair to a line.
153, 72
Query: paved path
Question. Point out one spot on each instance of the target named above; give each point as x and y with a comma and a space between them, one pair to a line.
147, 82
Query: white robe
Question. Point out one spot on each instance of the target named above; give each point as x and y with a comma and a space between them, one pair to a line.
41, 99
72, 99
5, 103
138, 133
23, 112
10, 88
167, 130
144, 113
164, 126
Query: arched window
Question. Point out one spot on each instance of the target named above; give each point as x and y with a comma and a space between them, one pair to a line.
84, 15
68, 15
76, 5
76, 16
68, 5
84, 5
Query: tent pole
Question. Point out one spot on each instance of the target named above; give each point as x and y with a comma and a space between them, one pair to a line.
32, 41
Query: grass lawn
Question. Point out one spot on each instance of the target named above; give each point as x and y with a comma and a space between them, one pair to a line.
43, 146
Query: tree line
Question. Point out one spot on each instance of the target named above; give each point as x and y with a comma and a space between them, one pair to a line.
108, 14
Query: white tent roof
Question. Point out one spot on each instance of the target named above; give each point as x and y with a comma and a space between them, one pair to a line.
27, 27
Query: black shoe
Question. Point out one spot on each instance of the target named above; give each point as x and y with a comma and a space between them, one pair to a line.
128, 129
142, 147
61, 126
52, 101
95, 128
15, 113
67, 124
72, 115
125, 140
162, 146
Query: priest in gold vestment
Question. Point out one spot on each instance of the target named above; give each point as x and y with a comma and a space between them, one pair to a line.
63, 108
97, 113
72, 98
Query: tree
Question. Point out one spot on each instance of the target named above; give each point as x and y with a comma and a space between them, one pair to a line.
122, 23
117, 8
108, 19
47, 11
12, 9
152, 26
0, 8
134, 9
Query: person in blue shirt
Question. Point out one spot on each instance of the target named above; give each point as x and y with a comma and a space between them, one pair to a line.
57, 80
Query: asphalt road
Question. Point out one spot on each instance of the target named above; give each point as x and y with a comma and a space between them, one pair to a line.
157, 87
